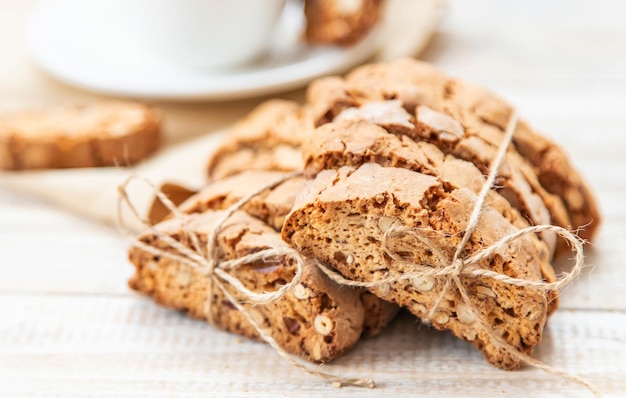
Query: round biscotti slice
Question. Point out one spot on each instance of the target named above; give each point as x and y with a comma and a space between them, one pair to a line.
483, 116
355, 142
272, 206
341, 219
268, 138
100, 134
318, 320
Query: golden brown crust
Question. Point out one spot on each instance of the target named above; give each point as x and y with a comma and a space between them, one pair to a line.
269, 138
317, 320
101, 134
272, 206
483, 116
340, 218
352, 142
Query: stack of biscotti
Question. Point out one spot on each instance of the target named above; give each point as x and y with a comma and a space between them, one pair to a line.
319, 319
392, 159
403, 145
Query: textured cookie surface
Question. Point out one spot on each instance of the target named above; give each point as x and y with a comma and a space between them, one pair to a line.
272, 206
347, 142
342, 216
317, 320
102, 134
473, 130
269, 138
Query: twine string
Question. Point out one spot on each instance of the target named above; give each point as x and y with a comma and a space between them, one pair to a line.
217, 272
454, 268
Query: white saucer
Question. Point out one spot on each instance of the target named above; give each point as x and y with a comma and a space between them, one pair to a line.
91, 54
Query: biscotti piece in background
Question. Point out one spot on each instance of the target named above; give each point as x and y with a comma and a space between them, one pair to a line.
342, 220
317, 320
272, 206
340, 22
96, 135
268, 138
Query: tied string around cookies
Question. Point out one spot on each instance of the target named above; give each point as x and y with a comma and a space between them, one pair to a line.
217, 270
459, 267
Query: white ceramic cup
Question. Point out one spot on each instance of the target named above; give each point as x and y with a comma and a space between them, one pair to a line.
200, 33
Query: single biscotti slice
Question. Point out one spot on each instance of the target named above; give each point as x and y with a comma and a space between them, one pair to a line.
317, 319
484, 116
268, 138
341, 219
101, 134
355, 142
340, 22
272, 206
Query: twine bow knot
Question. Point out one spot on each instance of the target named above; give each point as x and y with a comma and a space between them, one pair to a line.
208, 263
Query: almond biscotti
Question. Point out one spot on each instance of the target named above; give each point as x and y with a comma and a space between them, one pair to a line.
271, 206
268, 138
516, 179
355, 142
341, 219
477, 131
317, 320
101, 134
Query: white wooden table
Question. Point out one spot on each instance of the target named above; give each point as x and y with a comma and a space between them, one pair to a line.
69, 326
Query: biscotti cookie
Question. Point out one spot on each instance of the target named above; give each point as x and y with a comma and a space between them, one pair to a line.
511, 182
483, 117
341, 219
271, 206
269, 138
355, 142
340, 22
517, 180
317, 320
101, 134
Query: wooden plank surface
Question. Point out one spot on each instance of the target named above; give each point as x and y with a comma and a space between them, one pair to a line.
69, 327
113, 346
